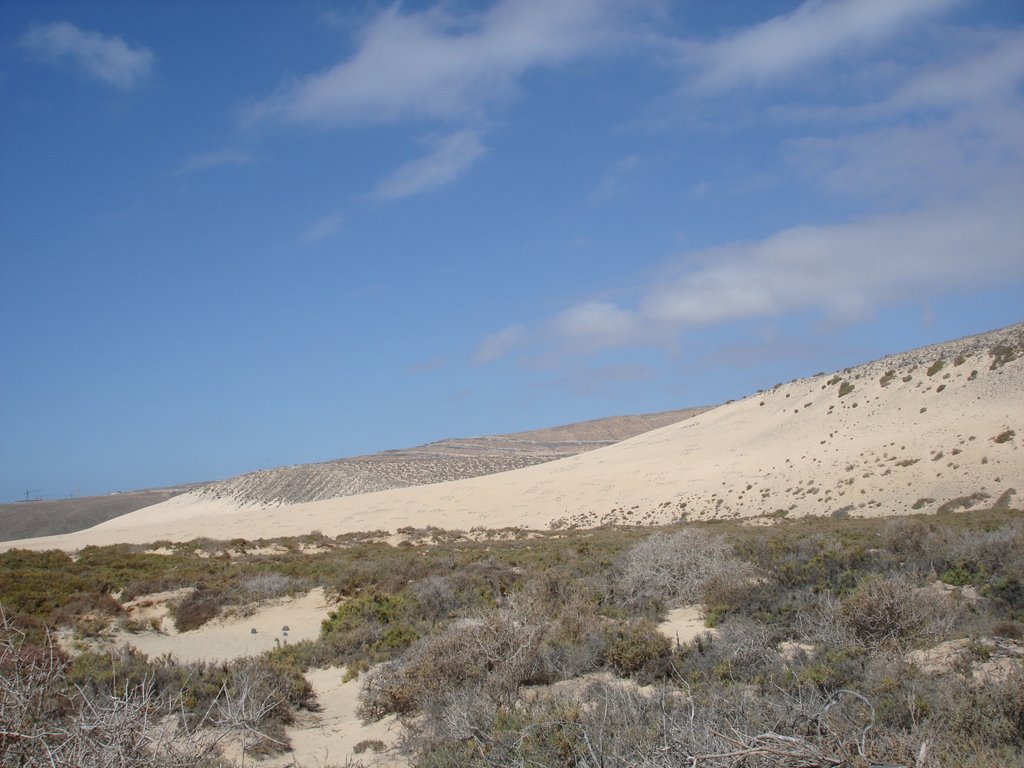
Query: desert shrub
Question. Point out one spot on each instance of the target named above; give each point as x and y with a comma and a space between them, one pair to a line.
936, 367
634, 646
197, 608
493, 655
372, 745
884, 609
372, 625
845, 388
45, 720
669, 570
43, 585
907, 536
268, 584
436, 597
1001, 355
983, 719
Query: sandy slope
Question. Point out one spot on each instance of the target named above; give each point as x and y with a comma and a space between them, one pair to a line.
231, 636
923, 437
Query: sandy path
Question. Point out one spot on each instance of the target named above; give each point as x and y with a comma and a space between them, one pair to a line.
329, 737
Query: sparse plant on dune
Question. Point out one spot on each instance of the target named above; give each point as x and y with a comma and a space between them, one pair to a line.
677, 569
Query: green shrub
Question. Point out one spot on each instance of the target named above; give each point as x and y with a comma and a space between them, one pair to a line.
635, 645
845, 388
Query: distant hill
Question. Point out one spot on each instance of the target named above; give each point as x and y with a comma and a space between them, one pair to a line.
933, 430
450, 459
45, 518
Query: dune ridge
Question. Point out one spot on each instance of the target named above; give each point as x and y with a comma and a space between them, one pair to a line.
936, 429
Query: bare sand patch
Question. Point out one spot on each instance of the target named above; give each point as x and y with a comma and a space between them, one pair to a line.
231, 636
987, 659
329, 737
684, 624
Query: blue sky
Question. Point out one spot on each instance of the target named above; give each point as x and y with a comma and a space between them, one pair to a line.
240, 235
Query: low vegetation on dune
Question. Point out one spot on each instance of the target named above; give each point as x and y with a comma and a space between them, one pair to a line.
831, 642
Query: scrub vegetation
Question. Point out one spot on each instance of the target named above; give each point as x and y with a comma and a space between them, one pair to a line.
835, 642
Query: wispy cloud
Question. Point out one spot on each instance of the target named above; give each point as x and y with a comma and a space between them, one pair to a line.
434, 65
845, 272
934, 172
500, 343
450, 157
609, 184
991, 75
214, 159
106, 58
323, 228
816, 31
433, 365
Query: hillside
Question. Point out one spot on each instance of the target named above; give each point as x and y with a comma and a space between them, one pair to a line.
935, 429
441, 461
49, 517
450, 459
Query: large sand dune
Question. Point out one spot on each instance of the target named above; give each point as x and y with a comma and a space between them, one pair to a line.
932, 430
441, 461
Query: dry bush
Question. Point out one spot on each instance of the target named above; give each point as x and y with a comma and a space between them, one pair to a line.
198, 608
46, 722
268, 584
884, 609
142, 715
436, 597
493, 655
678, 569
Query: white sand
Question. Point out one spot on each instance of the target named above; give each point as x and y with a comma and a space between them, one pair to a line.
799, 448
682, 625
329, 737
229, 637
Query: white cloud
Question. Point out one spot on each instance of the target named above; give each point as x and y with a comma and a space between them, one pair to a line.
991, 76
106, 58
845, 272
432, 65
963, 156
499, 344
954, 132
439, 66
450, 157
214, 159
596, 324
323, 228
816, 31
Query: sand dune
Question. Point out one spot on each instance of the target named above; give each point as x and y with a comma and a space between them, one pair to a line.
933, 430
441, 461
